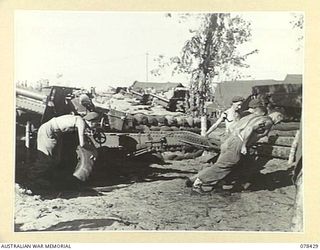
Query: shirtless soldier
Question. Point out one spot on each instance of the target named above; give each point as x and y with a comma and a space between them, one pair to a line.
230, 116
248, 131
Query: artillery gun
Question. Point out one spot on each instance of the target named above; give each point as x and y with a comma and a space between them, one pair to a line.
175, 103
114, 130
285, 97
288, 99
131, 134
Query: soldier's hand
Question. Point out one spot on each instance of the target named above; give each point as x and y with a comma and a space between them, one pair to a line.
244, 150
83, 146
224, 115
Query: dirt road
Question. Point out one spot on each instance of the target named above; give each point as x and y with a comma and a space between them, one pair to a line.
140, 196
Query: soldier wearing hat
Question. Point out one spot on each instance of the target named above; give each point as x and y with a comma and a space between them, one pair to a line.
229, 116
49, 141
248, 131
49, 133
255, 106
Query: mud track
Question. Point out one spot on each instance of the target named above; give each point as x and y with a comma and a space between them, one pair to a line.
147, 194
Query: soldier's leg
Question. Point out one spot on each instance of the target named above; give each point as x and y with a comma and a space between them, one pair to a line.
40, 174
222, 143
66, 158
229, 157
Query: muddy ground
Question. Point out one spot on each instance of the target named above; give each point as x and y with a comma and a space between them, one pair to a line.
148, 194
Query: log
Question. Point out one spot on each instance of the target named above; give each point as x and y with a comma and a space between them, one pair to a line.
137, 119
196, 130
154, 128
171, 120
174, 128
190, 121
161, 120
197, 122
287, 126
279, 141
142, 128
165, 128
145, 120
293, 148
180, 121
291, 133
152, 121
272, 151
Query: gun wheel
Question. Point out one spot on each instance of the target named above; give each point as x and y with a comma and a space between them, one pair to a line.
100, 137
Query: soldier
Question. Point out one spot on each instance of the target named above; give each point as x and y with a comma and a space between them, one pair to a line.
248, 131
255, 106
49, 133
229, 116
49, 144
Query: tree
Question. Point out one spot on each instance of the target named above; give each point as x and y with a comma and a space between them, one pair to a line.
297, 23
213, 50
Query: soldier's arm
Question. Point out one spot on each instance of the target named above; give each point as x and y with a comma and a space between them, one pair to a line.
246, 133
216, 124
80, 124
266, 129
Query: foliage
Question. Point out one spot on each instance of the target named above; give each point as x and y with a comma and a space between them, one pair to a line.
214, 49
297, 22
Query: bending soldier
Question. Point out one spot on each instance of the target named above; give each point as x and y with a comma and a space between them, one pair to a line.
49, 144
255, 106
49, 133
249, 130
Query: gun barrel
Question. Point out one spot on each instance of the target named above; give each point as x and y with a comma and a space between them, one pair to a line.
135, 92
30, 94
160, 98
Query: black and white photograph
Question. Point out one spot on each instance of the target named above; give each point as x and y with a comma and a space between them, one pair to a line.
158, 121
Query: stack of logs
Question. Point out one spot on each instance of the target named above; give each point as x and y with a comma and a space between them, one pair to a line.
281, 142
145, 123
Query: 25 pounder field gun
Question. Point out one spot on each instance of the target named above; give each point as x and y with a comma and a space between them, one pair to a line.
113, 130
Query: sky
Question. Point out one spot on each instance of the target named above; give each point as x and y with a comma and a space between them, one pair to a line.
104, 49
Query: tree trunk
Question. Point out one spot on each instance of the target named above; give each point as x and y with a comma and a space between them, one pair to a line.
203, 125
